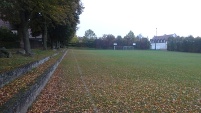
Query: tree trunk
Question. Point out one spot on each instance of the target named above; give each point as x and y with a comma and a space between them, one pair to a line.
52, 43
44, 36
19, 32
25, 34
58, 44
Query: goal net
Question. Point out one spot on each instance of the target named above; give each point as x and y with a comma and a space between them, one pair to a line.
124, 48
128, 48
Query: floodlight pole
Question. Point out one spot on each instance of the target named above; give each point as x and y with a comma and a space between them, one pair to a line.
114, 45
134, 45
155, 40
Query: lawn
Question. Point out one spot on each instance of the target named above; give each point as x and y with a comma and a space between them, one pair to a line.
128, 81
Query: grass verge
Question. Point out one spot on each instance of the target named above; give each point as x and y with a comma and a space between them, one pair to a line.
18, 60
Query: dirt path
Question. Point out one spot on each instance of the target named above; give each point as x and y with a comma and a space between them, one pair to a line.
65, 92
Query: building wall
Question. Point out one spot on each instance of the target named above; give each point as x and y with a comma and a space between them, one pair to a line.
159, 46
5, 24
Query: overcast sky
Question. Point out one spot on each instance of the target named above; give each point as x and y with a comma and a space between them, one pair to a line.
118, 17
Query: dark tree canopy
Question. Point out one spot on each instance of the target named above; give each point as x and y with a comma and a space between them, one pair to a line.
107, 42
184, 44
90, 34
40, 15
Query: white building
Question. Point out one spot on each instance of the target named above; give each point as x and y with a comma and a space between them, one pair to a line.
160, 42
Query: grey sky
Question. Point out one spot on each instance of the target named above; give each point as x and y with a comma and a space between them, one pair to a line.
118, 17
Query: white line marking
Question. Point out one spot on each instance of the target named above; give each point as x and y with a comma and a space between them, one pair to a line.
86, 88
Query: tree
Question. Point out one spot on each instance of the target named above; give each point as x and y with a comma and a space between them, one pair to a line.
119, 40
61, 35
22, 11
170, 44
130, 35
130, 38
108, 40
119, 37
143, 43
90, 34
8, 39
184, 44
74, 39
139, 37
57, 11
64, 32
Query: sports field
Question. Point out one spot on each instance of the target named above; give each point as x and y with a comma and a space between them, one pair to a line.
130, 81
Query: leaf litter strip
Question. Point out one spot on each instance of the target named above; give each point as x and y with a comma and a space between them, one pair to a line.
86, 88
12, 88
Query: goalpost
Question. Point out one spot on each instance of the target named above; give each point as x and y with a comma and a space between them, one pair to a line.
123, 47
128, 48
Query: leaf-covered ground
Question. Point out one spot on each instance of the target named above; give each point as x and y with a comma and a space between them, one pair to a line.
9, 90
123, 81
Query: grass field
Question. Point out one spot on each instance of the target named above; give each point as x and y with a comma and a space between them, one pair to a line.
130, 81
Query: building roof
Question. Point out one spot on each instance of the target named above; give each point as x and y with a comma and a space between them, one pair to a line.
164, 37
161, 39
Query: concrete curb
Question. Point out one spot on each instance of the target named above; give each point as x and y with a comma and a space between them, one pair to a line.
9, 76
21, 101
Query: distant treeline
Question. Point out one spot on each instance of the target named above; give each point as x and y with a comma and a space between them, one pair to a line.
107, 42
184, 44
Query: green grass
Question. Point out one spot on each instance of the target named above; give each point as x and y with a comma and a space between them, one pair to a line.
131, 81
18, 60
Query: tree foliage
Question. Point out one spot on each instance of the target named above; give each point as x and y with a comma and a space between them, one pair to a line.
130, 38
7, 35
74, 39
130, 35
107, 41
65, 32
184, 44
8, 39
41, 15
90, 34
143, 43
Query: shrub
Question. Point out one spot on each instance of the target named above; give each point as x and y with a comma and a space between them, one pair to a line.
8, 39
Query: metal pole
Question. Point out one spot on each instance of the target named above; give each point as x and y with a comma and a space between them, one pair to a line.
155, 40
